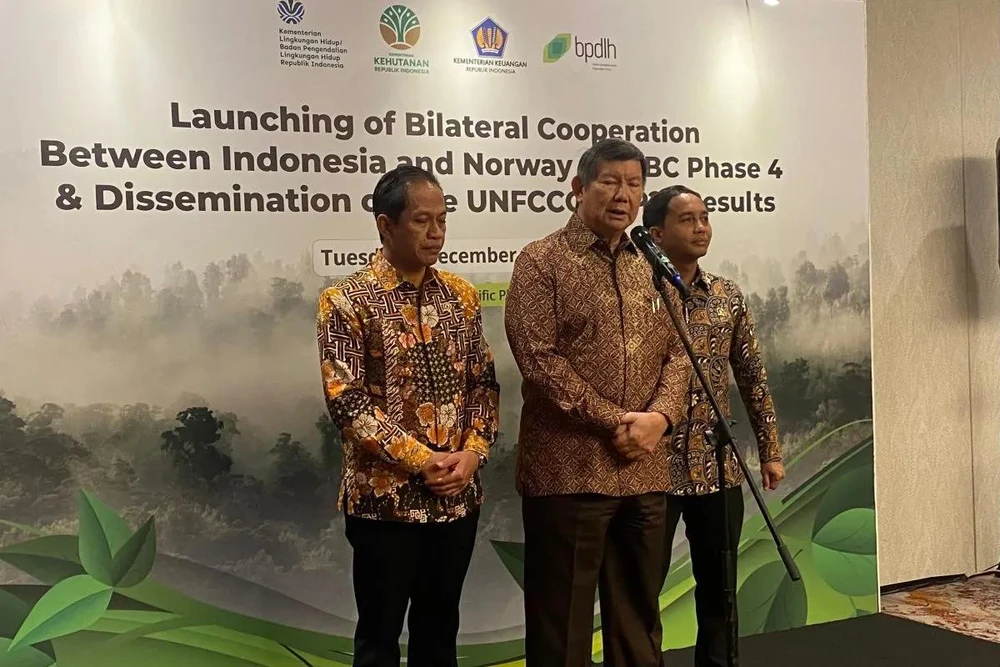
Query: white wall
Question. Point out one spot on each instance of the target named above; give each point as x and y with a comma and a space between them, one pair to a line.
934, 107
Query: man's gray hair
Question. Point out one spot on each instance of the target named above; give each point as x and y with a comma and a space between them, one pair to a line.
608, 150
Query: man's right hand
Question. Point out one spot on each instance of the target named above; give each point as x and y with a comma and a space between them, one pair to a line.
639, 433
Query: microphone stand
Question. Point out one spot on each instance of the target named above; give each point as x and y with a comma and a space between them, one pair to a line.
722, 440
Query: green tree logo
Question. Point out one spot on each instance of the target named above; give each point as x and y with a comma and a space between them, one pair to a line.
557, 48
400, 27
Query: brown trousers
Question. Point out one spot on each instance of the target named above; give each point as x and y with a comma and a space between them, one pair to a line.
577, 544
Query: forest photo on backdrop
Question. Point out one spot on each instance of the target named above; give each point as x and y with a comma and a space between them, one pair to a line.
241, 470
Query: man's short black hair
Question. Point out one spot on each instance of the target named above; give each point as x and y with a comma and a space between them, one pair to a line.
608, 150
391, 191
655, 210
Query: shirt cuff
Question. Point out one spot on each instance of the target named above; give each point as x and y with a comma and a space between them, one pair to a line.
770, 453
412, 454
669, 430
473, 442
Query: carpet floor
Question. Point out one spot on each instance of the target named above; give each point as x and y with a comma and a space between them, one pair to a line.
879, 640
971, 607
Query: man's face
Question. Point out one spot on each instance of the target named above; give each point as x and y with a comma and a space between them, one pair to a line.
685, 233
610, 203
415, 240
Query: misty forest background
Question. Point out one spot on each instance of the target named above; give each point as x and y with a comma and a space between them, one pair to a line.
212, 417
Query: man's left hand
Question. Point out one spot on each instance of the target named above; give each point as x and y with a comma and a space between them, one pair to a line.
462, 466
771, 474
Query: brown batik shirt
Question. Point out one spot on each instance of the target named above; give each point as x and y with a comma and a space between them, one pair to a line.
721, 331
406, 372
586, 330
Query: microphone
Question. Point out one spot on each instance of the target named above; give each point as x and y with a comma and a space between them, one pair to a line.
662, 268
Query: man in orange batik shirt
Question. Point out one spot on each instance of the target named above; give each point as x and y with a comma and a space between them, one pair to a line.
409, 379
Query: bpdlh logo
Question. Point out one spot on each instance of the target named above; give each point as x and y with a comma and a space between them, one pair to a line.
291, 11
557, 48
601, 54
400, 27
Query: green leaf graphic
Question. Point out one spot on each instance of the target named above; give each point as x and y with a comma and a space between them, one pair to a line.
13, 611
844, 552
49, 559
850, 532
512, 556
22, 657
102, 534
177, 630
70, 606
854, 489
843, 540
769, 600
134, 561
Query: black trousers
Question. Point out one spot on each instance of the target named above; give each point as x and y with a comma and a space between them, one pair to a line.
575, 545
423, 566
703, 521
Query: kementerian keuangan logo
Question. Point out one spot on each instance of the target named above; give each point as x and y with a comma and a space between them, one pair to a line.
291, 11
490, 40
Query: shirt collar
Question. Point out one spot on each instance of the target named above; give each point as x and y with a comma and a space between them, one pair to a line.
580, 237
703, 278
387, 275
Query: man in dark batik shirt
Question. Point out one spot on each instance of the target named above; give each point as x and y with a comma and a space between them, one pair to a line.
722, 335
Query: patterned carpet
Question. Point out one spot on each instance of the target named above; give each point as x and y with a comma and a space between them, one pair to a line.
971, 607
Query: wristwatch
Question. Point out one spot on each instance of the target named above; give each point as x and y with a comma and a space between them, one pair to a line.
482, 460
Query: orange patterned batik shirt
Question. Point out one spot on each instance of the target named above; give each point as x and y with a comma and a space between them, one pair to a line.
406, 372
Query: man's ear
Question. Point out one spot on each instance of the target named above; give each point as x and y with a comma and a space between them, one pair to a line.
382, 223
577, 185
657, 234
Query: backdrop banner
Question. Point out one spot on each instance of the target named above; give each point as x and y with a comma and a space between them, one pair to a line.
178, 182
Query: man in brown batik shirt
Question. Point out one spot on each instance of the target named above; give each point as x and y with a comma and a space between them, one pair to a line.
722, 335
605, 378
